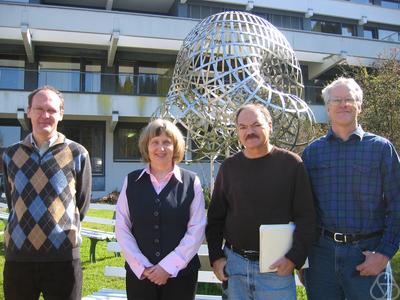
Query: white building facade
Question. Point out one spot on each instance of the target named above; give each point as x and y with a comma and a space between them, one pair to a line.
113, 61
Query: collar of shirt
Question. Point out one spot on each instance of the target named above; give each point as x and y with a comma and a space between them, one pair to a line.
358, 132
50, 142
160, 184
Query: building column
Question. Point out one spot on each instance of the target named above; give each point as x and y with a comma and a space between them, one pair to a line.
31, 77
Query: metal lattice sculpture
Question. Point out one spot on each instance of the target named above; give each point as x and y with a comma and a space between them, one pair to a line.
227, 60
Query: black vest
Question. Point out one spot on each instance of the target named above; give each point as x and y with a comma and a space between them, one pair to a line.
159, 222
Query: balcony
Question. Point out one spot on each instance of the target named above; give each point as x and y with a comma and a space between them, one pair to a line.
94, 82
86, 82
100, 94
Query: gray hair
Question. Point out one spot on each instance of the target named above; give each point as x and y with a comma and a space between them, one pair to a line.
355, 90
255, 106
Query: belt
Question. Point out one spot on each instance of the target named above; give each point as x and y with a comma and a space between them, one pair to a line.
248, 254
348, 237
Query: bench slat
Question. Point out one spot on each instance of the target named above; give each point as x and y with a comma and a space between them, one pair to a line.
97, 234
204, 276
100, 206
208, 277
107, 294
114, 271
4, 216
114, 247
208, 297
97, 220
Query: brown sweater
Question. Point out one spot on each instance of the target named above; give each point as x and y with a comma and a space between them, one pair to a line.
273, 189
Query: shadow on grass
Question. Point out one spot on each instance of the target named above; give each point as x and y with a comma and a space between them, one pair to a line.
1, 247
98, 260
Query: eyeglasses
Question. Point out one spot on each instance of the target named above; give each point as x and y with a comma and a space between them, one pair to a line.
339, 101
40, 111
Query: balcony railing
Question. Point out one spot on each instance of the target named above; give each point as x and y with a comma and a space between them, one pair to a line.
102, 83
85, 82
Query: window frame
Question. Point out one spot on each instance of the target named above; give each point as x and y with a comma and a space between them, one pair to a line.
84, 123
138, 126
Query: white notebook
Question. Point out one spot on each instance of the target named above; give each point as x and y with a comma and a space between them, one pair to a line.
275, 241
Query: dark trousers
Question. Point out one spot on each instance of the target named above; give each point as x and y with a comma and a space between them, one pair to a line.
179, 288
55, 280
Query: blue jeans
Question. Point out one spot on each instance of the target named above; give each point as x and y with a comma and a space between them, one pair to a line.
246, 282
333, 276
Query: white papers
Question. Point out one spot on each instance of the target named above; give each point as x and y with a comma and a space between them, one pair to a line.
275, 241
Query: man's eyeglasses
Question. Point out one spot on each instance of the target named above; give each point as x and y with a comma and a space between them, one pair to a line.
339, 101
40, 111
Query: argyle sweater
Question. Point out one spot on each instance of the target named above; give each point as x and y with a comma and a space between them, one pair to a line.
47, 197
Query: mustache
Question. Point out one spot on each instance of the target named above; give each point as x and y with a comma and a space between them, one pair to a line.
251, 135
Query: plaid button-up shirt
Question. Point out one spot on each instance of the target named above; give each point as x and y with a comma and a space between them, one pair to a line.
356, 185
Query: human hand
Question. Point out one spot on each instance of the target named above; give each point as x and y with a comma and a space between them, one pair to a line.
373, 265
158, 275
145, 273
283, 266
218, 268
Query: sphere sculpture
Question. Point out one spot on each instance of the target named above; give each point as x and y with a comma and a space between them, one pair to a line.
227, 60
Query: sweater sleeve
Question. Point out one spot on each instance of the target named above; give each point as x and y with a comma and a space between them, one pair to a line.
84, 185
216, 218
303, 216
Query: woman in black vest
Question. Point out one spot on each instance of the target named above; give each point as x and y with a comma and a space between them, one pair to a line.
161, 219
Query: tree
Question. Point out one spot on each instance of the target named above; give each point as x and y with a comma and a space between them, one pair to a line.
381, 106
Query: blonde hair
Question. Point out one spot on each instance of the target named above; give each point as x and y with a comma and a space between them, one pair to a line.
156, 128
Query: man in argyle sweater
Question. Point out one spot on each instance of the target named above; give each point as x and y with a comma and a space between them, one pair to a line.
48, 187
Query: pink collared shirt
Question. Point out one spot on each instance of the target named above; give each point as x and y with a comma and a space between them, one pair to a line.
177, 259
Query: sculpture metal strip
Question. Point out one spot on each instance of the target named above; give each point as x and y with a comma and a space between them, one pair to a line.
227, 60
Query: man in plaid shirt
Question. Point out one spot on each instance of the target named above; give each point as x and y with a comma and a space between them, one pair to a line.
355, 177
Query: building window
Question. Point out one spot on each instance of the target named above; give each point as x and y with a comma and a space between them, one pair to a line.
92, 78
370, 33
363, 1
286, 21
125, 84
10, 133
12, 74
333, 27
313, 93
65, 76
126, 138
390, 3
202, 11
349, 30
154, 80
92, 136
388, 35
326, 27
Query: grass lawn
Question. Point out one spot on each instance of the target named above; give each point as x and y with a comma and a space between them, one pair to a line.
93, 273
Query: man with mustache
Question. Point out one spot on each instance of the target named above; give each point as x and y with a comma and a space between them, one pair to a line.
262, 184
355, 176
